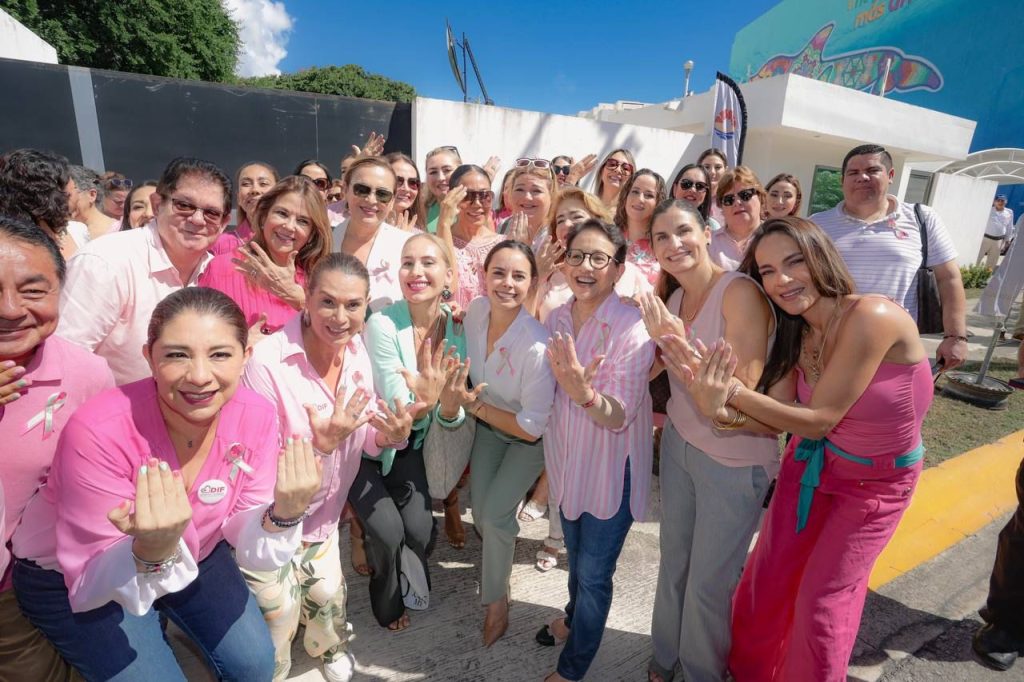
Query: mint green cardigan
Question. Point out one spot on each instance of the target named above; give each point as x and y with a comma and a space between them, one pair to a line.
389, 339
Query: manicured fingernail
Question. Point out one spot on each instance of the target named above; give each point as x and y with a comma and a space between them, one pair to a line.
164, 467
153, 461
307, 439
18, 371
21, 384
143, 470
176, 473
290, 440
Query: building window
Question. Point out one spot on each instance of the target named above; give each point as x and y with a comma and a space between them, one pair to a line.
826, 189
919, 188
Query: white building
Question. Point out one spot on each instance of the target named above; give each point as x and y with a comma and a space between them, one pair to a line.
17, 42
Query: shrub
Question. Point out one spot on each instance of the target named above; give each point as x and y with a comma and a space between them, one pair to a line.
975, 276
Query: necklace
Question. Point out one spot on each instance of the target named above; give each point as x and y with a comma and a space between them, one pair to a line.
700, 301
430, 332
813, 356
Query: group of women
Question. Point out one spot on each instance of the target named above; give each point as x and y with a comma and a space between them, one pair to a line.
298, 384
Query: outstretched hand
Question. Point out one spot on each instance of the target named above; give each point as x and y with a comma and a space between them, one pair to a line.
373, 147
456, 392
658, 319
299, 472
329, 432
434, 365
395, 425
162, 512
575, 379
581, 168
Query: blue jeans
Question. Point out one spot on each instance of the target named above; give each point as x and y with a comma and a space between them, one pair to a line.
216, 610
593, 546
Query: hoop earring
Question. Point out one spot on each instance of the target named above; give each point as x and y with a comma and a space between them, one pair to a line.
305, 318
446, 294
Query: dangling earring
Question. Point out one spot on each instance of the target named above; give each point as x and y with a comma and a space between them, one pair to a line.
446, 294
305, 318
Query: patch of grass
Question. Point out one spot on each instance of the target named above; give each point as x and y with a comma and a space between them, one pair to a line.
973, 293
953, 427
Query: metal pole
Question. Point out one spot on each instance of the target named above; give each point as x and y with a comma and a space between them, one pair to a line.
885, 76
465, 94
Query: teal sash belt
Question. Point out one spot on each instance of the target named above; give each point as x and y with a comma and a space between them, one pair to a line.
813, 452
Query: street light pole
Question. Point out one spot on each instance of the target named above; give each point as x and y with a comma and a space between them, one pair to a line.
687, 69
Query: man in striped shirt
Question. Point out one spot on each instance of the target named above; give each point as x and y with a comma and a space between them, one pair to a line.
880, 239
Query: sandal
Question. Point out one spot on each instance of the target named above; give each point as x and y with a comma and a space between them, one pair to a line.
530, 512
453, 527
546, 635
547, 556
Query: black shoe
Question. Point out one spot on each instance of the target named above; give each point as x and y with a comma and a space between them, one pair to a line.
544, 637
996, 648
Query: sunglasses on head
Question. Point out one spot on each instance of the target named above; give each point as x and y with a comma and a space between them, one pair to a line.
543, 164
363, 191
413, 183
613, 164
686, 183
744, 195
561, 170
484, 196
118, 183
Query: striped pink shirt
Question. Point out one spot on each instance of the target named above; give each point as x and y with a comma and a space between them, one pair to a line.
221, 275
586, 462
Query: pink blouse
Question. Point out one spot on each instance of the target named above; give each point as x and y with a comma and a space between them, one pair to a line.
589, 479
641, 255
96, 467
253, 300
471, 256
228, 242
280, 371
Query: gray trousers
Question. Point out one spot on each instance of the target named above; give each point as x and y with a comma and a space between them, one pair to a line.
709, 515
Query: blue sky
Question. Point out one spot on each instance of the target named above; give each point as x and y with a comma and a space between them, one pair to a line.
558, 57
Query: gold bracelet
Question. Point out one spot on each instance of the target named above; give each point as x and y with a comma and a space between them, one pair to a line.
736, 422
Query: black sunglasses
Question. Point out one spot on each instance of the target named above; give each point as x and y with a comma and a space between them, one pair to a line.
321, 183
413, 183
362, 191
561, 170
743, 195
686, 183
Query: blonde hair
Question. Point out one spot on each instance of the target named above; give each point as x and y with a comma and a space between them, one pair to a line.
436, 241
546, 174
426, 197
595, 207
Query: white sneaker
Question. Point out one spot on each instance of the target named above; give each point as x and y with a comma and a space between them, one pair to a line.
340, 670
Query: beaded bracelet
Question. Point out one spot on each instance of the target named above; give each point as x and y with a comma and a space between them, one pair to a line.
157, 566
955, 336
284, 523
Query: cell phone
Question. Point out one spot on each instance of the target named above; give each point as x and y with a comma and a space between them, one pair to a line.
937, 365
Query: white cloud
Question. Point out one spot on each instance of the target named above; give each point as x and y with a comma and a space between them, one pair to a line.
264, 28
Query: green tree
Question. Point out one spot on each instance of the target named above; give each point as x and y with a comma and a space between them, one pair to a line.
349, 80
178, 39
826, 190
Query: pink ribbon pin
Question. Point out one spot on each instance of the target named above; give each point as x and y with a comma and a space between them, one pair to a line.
604, 333
382, 271
234, 456
45, 416
506, 361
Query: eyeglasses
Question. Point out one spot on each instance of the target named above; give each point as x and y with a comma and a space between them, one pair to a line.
363, 191
118, 183
561, 170
412, 183
543, 164
614, 164
187, 209
321, 183
743, 195
484, 196
334, 196
599, 260
686, 183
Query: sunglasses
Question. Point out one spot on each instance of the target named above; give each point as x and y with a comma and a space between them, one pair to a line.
561, 170
543, 164
599, 260
412, 183
188, 209
743, 195
451, 148
321, 183
363, 191
334, 196
613, 164
118, 183
484, 196
686, 183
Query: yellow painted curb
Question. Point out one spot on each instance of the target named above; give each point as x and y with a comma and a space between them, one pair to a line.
953, 500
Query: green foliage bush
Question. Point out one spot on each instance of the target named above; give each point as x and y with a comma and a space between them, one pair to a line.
349, 80
975, 276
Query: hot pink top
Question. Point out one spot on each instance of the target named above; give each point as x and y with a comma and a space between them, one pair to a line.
62, 376
280, 371
96, 467
5, 555
228, 242
729, 448
221, 275
586, 462
471, 256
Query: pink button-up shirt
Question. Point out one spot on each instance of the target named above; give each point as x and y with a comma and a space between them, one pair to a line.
280, 371
112, 287
221, 275
5, 555
62, 376
586, 462
228, 242
96, 468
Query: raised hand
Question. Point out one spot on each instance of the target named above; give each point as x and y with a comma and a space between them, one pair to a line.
680, 357
261, 271
329, 432
298, 478
574, 378
434, 365
394, 426
549, 257
449, 211
581, 168
11, 381
162, 512
518, 228
405, 221
658, 319
373, 147
456, 393
492, 167
714, 381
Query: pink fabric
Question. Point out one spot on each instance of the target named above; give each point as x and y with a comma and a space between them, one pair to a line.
280, 371
58, 366
586, 462
555, 291
228, 242
221, 275
471, 256
112, 287
798, 606
337, 212
729, 448
5, 555
724, 251
641, 255
98, 460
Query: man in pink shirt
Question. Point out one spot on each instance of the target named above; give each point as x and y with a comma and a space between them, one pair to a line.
113, 284
47, 379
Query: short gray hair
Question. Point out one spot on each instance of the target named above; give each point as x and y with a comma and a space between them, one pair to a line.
86, 179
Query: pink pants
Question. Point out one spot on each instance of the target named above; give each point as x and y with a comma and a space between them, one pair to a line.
797, 608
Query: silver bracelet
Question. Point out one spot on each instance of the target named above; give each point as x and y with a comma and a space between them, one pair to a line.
157, 567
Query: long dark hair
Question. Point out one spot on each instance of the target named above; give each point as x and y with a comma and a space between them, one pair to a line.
200, 300
828, 275
620, 210
705, 206
667, 284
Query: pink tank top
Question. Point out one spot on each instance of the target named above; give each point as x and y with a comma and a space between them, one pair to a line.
729, 448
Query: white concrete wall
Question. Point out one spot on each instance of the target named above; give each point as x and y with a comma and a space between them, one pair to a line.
963, 203
481, 131
17, 42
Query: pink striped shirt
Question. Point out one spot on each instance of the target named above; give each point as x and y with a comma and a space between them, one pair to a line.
586, 462
280, 371
228, 242
221, 275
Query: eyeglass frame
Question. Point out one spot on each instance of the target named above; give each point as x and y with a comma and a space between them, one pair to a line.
484, 196
730, 198
187, 210
561, 170
407, 182
379, 193
527, 162
693, 184
612, 164
588, 255
114, 184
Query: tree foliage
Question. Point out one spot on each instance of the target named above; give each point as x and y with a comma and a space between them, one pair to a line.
178, 39
826, 190
349, 80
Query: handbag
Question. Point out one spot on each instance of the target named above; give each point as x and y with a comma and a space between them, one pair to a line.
929, 305
446, 454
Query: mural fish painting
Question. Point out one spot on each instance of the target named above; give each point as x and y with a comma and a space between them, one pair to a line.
860, 69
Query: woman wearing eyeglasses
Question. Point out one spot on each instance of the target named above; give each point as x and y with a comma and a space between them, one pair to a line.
693, 184
317, 172
265, 277
252, 181
369, 192
562, 165
440, 164
533, 191
644, 190
407, 213
612, 176
742, 198
714, 162
600, 355
784, 196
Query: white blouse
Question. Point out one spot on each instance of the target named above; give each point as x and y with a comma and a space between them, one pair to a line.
384, 261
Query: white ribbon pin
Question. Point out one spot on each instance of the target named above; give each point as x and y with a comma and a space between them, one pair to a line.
234, 456
45, 416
